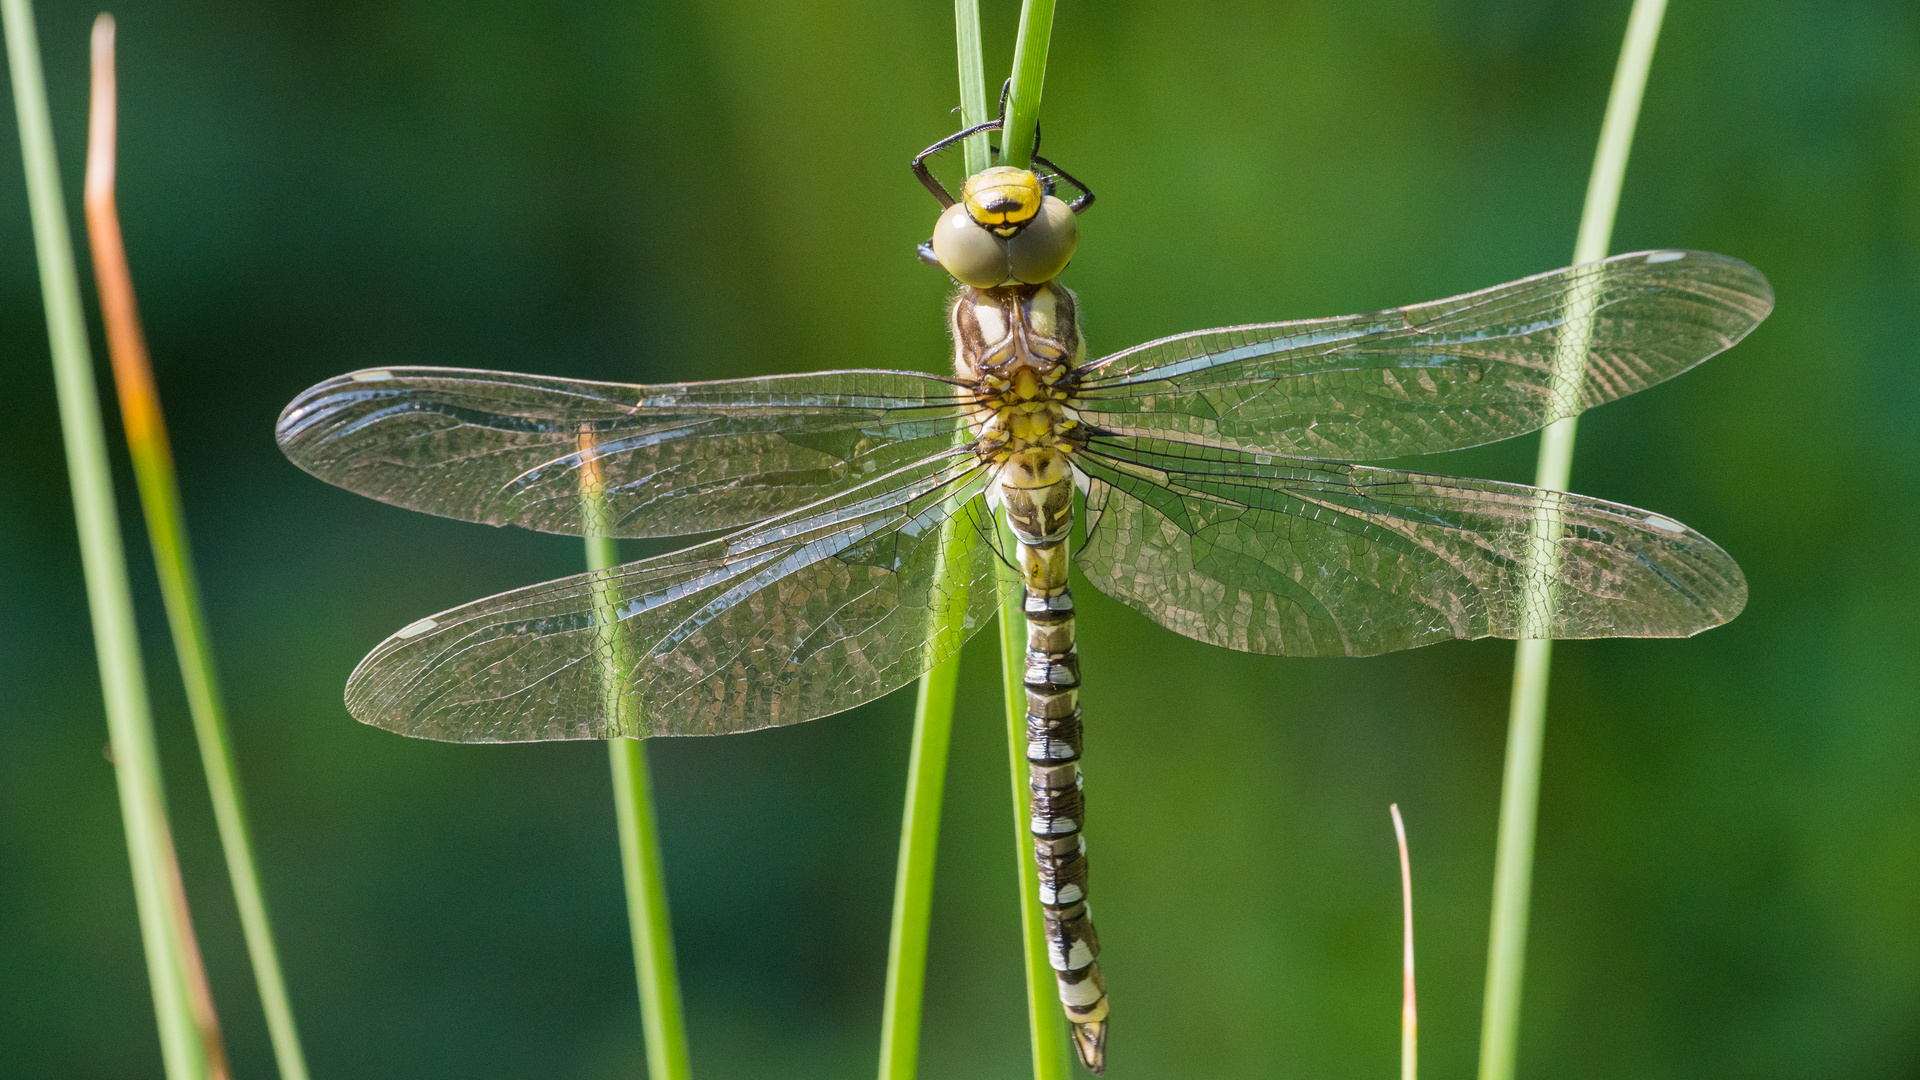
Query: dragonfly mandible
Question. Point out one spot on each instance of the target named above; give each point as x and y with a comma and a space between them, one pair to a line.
1219, 482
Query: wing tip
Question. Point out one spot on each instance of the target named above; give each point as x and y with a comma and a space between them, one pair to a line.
1735, 601
311, 407
1754, 284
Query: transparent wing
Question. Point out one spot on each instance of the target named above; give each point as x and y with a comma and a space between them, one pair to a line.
803, 616
1304, 558
670, 460
1458, 372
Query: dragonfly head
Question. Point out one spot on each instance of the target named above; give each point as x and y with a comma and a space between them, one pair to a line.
1005, 229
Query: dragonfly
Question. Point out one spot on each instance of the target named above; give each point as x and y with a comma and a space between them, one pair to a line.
1214, 480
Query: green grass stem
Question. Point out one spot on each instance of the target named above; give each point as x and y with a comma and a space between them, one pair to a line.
906, 984
904, 995
153, 468
1029, 73
662, 1012
1520, 792
1046, 1027
165, 925
973, 82
905, 990
1409, 1010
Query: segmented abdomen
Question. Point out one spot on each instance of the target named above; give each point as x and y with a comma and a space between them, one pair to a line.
1057, 812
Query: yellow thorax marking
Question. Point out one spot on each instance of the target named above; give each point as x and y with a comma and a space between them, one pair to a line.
1026, 384
1042, 312
1029, 413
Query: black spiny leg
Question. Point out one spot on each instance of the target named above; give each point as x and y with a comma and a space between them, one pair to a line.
919, 162
1086, 194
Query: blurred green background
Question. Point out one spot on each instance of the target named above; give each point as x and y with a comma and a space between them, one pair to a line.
1729, 854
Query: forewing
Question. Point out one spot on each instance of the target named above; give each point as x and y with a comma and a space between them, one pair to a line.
669, 460
1451, 373
803, 616
1304, 558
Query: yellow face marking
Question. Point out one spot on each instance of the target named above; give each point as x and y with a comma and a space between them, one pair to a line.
1002, 199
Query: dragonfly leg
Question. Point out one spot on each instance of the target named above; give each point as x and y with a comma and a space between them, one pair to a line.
939, 191
1085, 198
925, 175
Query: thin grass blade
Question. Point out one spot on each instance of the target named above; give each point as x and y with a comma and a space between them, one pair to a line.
905, 991
165, 924
904, 995
152, 453
1520, 791
1409, 1012
1029, 74
973, 82
1046, 1028
662, 1011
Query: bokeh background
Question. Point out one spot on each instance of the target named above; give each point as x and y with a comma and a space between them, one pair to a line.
1729, 854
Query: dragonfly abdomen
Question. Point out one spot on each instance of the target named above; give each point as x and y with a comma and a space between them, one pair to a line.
1058, 809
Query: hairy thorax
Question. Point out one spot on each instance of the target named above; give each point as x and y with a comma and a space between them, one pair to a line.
1020, 346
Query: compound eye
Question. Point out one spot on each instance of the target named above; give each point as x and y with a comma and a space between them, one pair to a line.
1003, 199
969, 252
1046, 245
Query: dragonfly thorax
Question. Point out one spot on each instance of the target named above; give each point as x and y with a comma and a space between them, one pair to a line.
996, 332
1020, 348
